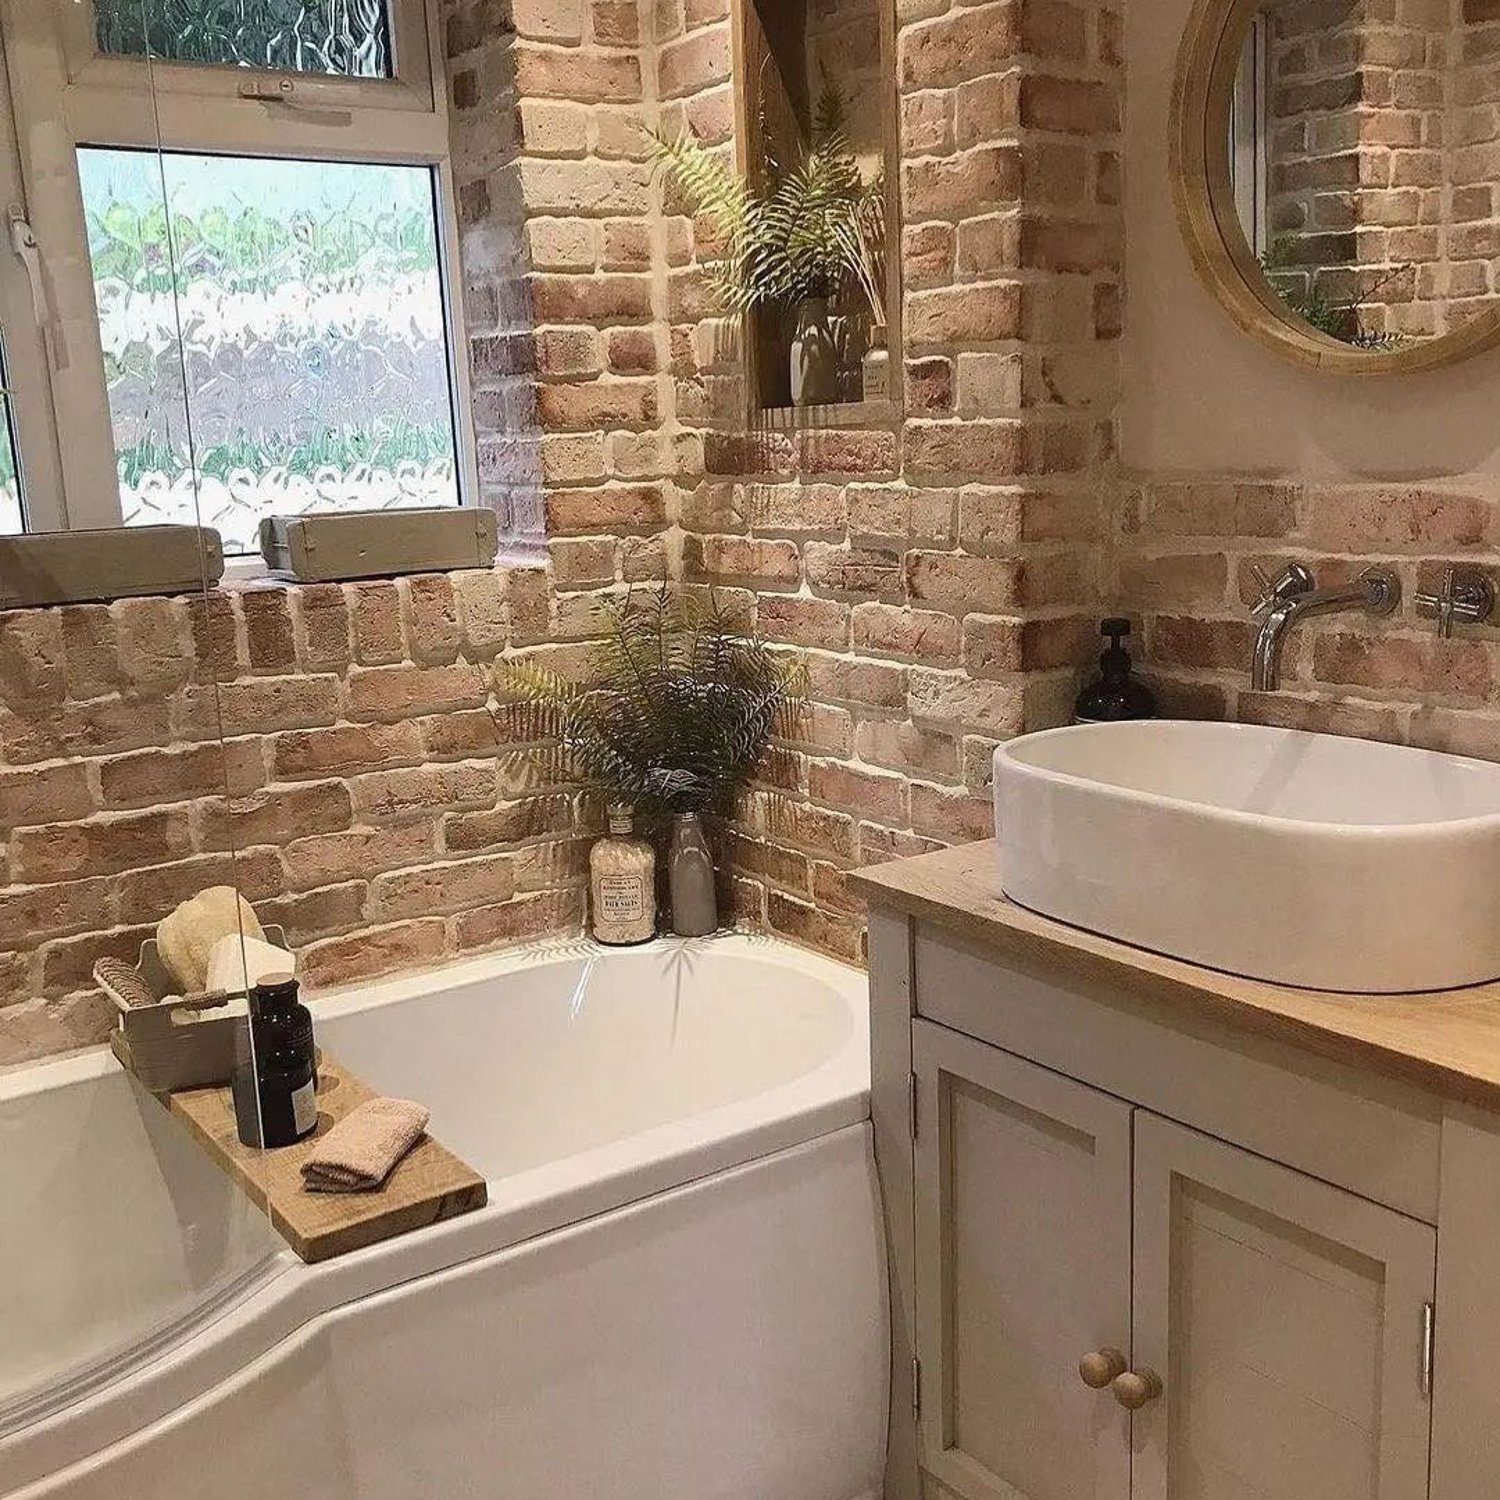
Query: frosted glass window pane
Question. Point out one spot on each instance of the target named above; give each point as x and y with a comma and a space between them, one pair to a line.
349, 38
12, 518
302, 361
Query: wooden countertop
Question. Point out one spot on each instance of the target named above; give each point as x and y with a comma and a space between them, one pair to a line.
1446, 1040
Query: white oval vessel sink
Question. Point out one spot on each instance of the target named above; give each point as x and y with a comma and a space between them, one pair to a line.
1299, 858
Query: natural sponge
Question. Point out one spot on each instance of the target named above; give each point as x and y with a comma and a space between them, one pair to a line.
186, 938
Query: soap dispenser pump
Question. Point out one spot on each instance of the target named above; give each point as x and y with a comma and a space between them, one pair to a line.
1116, 693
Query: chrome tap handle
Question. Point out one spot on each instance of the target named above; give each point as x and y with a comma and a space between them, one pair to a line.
1467, 595
1294, 579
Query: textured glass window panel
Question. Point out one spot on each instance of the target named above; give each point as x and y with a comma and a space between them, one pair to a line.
12, 515
274, 337
348, 38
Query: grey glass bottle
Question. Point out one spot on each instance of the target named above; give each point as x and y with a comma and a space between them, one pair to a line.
690, 873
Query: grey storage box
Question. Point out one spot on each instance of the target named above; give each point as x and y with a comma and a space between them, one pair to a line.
378, 543
114, 562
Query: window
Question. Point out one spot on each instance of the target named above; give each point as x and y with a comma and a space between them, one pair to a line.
292, 313
346, 37
240, 294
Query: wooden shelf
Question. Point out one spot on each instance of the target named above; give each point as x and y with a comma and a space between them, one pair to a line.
429, 1184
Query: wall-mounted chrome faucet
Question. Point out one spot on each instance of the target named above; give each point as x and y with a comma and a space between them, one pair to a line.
1295, 595
1467, 595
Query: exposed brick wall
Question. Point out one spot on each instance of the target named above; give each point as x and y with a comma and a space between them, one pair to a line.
549, 101
363, 794
1184, 555
937, 575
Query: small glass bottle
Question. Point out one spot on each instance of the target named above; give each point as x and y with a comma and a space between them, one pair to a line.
275, 1079
690, 871
622, 884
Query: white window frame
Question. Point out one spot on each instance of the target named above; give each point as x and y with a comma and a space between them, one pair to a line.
64, 94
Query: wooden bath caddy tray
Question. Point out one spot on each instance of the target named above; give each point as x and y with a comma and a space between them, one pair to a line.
430, 1183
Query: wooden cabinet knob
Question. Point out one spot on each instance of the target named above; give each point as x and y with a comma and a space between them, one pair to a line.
1135, 1388
1098, 1369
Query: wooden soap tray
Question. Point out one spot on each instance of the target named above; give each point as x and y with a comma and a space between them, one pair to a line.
175, 1041
429, 1183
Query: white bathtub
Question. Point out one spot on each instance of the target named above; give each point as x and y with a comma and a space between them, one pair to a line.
676, 1291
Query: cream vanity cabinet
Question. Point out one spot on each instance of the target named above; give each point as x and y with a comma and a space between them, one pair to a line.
1152, 1241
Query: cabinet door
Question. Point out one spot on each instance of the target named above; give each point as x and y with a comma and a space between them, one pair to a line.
1023, 1267
1287, 1322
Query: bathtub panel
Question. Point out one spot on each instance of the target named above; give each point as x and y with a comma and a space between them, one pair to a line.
726, 1341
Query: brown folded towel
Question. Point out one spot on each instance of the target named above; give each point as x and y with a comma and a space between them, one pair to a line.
362, 1150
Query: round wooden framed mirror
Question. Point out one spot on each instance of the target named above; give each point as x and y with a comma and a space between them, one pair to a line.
1336, 171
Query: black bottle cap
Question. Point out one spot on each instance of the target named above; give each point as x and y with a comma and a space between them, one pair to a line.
1116, 628
276, 992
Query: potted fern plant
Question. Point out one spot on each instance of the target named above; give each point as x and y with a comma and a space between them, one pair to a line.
812, 236
680, 702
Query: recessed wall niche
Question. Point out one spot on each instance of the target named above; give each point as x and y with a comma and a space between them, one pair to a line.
792, 58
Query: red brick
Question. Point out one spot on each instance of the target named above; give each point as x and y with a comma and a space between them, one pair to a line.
524, 917
431, 617
442, 888
274, 815
607, 508
804, 622
571, 73
1385, 519
951, 698
29, 914
327, 859
43, 794
375, 613
345, 748
100, 846
813, 829
876, 796
961, 45
842, 936
405, 692
1397, 663
1068, 104
176, 775
321, 619
32, 657
986, 450
90, 650
951, 813
904, 747
960, 583
776, 562
268, 629
102, 727
920, 634
960, 187
364, 955
422, 790
148, 895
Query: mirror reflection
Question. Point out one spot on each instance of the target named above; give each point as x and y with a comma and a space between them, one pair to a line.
1364, 157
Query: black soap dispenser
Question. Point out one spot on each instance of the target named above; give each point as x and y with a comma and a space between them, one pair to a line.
276, 1072
1116, 693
